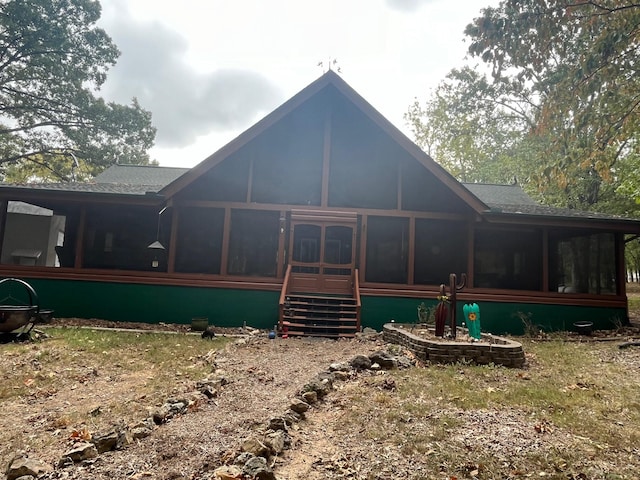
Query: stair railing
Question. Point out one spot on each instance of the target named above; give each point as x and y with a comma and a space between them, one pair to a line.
283, 302
356, 295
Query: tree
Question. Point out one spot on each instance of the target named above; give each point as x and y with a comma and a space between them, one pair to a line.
560, 109
53, 61
577, 60
472, 128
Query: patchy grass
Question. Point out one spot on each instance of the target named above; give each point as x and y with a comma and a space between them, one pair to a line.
89, 379
633, 297
573, 412
71, 355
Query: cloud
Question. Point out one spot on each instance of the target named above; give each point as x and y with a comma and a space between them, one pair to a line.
184, 102
408, 5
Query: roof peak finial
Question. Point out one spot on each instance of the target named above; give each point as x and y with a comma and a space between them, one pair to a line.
330, 64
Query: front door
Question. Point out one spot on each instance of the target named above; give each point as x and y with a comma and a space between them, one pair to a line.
322, 252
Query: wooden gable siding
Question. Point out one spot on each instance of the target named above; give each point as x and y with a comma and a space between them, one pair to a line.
326, 153
283, 165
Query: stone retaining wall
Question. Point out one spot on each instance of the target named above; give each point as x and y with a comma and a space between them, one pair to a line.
493, 349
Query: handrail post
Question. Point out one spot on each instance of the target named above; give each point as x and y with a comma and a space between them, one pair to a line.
356, 294
283, 297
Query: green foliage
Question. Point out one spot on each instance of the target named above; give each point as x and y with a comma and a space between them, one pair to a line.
470, 128
578, 63
530, 329
632, 258
560, 107
53, 59
49, 169
426, 315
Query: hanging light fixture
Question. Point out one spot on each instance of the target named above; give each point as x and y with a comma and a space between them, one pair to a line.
156, 246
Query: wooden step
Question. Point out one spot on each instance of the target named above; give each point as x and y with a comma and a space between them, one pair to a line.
328, 313
294, 333
311, 320
304, 303
319, 297
320, 300
322, 327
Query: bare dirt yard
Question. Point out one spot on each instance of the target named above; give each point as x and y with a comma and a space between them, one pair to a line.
262, 376
430, 422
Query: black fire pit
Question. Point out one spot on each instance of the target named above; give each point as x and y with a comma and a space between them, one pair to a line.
17, 318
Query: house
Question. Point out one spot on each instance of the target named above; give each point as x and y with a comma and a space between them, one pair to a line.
322, 217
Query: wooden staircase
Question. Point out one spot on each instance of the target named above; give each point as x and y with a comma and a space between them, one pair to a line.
318, 315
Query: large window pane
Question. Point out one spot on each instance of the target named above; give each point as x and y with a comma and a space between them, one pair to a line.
253, 243
583, 263
199, 245
117, 238
441, 249
387, 249
508, 259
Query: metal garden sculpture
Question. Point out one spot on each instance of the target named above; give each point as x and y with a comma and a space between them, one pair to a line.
450, 302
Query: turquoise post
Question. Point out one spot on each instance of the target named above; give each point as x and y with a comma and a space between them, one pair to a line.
472, 316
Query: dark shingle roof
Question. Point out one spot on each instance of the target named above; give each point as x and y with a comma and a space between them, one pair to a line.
512, 200
500, 194
117, 179
140, 175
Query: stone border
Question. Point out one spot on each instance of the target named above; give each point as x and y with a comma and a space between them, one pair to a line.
496, 350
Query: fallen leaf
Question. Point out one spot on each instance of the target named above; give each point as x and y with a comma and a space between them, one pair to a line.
543, 427
82, 434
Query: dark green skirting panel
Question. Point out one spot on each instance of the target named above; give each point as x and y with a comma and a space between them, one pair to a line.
495, 317
259, 309
157, 303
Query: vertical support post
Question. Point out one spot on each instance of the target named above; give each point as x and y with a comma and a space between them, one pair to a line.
326, 159
412, 251
545, 260
225, 241
173, 240
3, 221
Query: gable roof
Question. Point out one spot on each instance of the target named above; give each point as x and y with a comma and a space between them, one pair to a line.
329, 78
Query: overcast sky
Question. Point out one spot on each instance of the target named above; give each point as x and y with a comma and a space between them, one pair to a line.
209, 69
